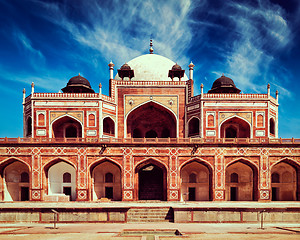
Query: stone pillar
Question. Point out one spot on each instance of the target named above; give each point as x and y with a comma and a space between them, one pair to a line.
268, 90
36, 175
128, 176
264, 178
174, 176
82, 175
32, 88
219, 183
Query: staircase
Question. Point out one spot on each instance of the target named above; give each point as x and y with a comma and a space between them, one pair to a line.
150, 214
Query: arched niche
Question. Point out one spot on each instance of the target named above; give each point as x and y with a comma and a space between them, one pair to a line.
151, 180
108, 126
28, 127
196, 182
235, 128
151, 120
285, 181
16, 181
61, 179
241, 178
67, 127
106, 181
194, 124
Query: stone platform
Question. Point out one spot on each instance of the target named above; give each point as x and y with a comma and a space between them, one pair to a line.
152, 211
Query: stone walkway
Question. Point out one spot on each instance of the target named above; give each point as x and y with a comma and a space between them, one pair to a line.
112, 231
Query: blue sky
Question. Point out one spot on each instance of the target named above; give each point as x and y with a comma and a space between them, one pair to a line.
254, 42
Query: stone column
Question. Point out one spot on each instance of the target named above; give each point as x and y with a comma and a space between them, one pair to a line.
264, 183
219, 174
174, 176
82, 175
128, 175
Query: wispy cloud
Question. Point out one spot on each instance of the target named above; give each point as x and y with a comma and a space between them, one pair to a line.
262, 31
35, 56
122, 30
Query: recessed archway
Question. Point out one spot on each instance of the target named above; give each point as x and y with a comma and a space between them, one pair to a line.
66, 127
193, 124
106, 180
61, 179
16, 178
285, 181
196, 181
151, 179
235, 128
241, 179
151, 120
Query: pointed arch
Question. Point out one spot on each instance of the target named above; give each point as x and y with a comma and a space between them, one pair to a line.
106, 177
202, 189
286, 185
52, 162
162, 120
109, 126
151, 180
246, 189
61, 129
193, 126
243, 127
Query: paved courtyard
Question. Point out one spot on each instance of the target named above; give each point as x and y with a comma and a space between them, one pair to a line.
148, 231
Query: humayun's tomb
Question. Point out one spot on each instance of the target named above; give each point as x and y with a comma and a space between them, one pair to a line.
150, 139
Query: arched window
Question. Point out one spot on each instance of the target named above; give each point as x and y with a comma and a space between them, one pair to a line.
67, 177
275, 178
41, 119
108, 126
24, 177
194, 127
192, 178
109, 177
260, 121
71, 132
272, 126
234, 178
210, 120
92, 120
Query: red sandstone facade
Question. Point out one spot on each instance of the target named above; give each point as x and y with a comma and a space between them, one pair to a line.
151, 139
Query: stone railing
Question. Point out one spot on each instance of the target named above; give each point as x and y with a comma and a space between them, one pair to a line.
4, 141
230, 96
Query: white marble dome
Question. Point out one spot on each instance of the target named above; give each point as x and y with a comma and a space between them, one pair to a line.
151, 67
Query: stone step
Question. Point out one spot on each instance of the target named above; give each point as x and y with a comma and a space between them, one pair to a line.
150, 215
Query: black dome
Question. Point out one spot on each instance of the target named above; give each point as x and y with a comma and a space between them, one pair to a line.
176, 67
78, 84
224, 85
125, 66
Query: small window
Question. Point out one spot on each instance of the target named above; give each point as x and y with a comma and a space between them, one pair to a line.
41, 119
192, 178
234, 178
67, 177
24, 177
109, 178
92, 120
275, 178
29, 127
260, 121
210, 121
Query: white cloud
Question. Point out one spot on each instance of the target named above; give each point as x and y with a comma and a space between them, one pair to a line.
122, 31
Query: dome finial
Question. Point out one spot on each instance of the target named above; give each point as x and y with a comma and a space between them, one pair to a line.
222, 74
151, 45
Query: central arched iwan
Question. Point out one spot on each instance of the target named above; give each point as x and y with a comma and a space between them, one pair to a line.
151, 120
